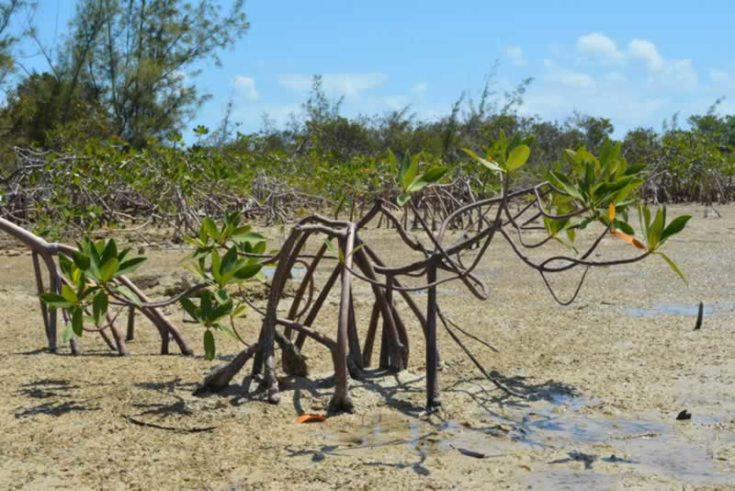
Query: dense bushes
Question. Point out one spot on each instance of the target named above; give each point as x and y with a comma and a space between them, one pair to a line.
78, 175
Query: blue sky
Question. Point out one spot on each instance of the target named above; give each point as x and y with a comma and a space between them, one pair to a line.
636, 63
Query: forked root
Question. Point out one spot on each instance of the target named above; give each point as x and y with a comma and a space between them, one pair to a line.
292, 361
219, 378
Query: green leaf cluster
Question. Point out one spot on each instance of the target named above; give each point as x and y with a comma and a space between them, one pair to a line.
589, 188
657, 231
595, 182
225, 255
411, 180
505, 155
213, 309
89, 282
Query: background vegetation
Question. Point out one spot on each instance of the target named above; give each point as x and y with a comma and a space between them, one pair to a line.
97, 139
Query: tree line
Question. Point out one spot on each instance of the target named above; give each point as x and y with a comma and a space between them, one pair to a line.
122, 87
124, 68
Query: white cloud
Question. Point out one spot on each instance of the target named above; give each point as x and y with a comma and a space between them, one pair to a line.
679, 74
628, 106
246, 87
295, 81
596, 45
646, 51
602, 48
632, 83
575, 80
515, 55
342, 84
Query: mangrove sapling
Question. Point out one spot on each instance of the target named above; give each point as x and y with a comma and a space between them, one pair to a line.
92, 284
592, 190
75, 297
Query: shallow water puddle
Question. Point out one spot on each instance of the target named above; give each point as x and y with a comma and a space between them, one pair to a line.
650, 447
582, 450
669, 309
297, 272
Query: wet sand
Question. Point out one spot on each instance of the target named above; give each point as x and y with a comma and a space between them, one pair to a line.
603, 380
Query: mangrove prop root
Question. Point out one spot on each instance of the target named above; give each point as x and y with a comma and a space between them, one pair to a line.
441, 259
357, 261
43, 250
293, 362
341, 400
219, 378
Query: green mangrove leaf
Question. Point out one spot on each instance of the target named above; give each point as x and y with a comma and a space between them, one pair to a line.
99, 306
130, 265
55, 301
676, 226
108, 269
77, 321
517, 157
190, 308
209, 349
673, 267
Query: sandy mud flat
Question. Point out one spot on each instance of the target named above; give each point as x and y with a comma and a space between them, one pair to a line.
603, 381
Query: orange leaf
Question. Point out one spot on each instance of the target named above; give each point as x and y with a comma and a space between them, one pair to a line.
311, 418
628, 238
611, 212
